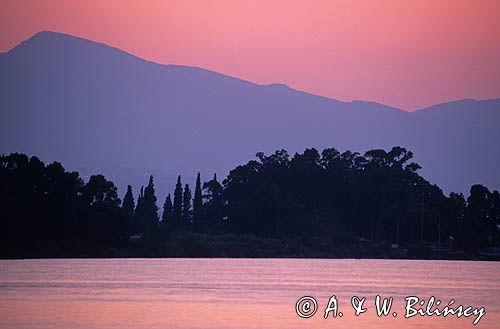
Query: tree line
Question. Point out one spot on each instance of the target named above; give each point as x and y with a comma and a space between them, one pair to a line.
375, 196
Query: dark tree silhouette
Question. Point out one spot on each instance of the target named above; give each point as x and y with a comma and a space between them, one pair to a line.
99, 191
315, 202
198, 221
167, 210
150, 215
137, 224
45, 206
166, 218
186, 206
146, 211
214, 204
479, 227
128, 205
105, 220
177, 222
376, 196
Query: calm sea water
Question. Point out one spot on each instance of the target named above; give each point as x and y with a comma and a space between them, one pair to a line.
235, 293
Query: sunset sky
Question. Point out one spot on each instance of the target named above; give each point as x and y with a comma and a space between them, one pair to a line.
408, 54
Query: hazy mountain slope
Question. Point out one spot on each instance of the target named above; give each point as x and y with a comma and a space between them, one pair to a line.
93, 106
460, 143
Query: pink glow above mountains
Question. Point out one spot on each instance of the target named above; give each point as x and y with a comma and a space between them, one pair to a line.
408, 54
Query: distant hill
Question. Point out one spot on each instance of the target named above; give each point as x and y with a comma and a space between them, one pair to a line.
99, 109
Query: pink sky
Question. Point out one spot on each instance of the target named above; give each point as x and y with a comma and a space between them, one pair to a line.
408, 54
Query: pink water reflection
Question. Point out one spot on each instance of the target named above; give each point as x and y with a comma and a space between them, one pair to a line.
234, 293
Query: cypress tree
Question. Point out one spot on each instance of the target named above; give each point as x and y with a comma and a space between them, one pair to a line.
138, 213
150, 217
214, 204
167, 210
146, 211
128, 202
177, 209
198, 206
186, 206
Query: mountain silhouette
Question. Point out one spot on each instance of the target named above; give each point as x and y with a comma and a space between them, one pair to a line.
97, 108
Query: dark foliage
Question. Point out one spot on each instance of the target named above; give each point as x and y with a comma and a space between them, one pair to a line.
177, 220
198, 219
186, 207
146, 212
167, 210
46, 203
128, 203
315, 203
213, 205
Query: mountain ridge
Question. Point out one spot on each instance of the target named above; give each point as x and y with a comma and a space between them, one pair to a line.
60, 35
90, 104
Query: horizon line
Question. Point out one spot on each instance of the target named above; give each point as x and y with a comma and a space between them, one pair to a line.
243, 79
